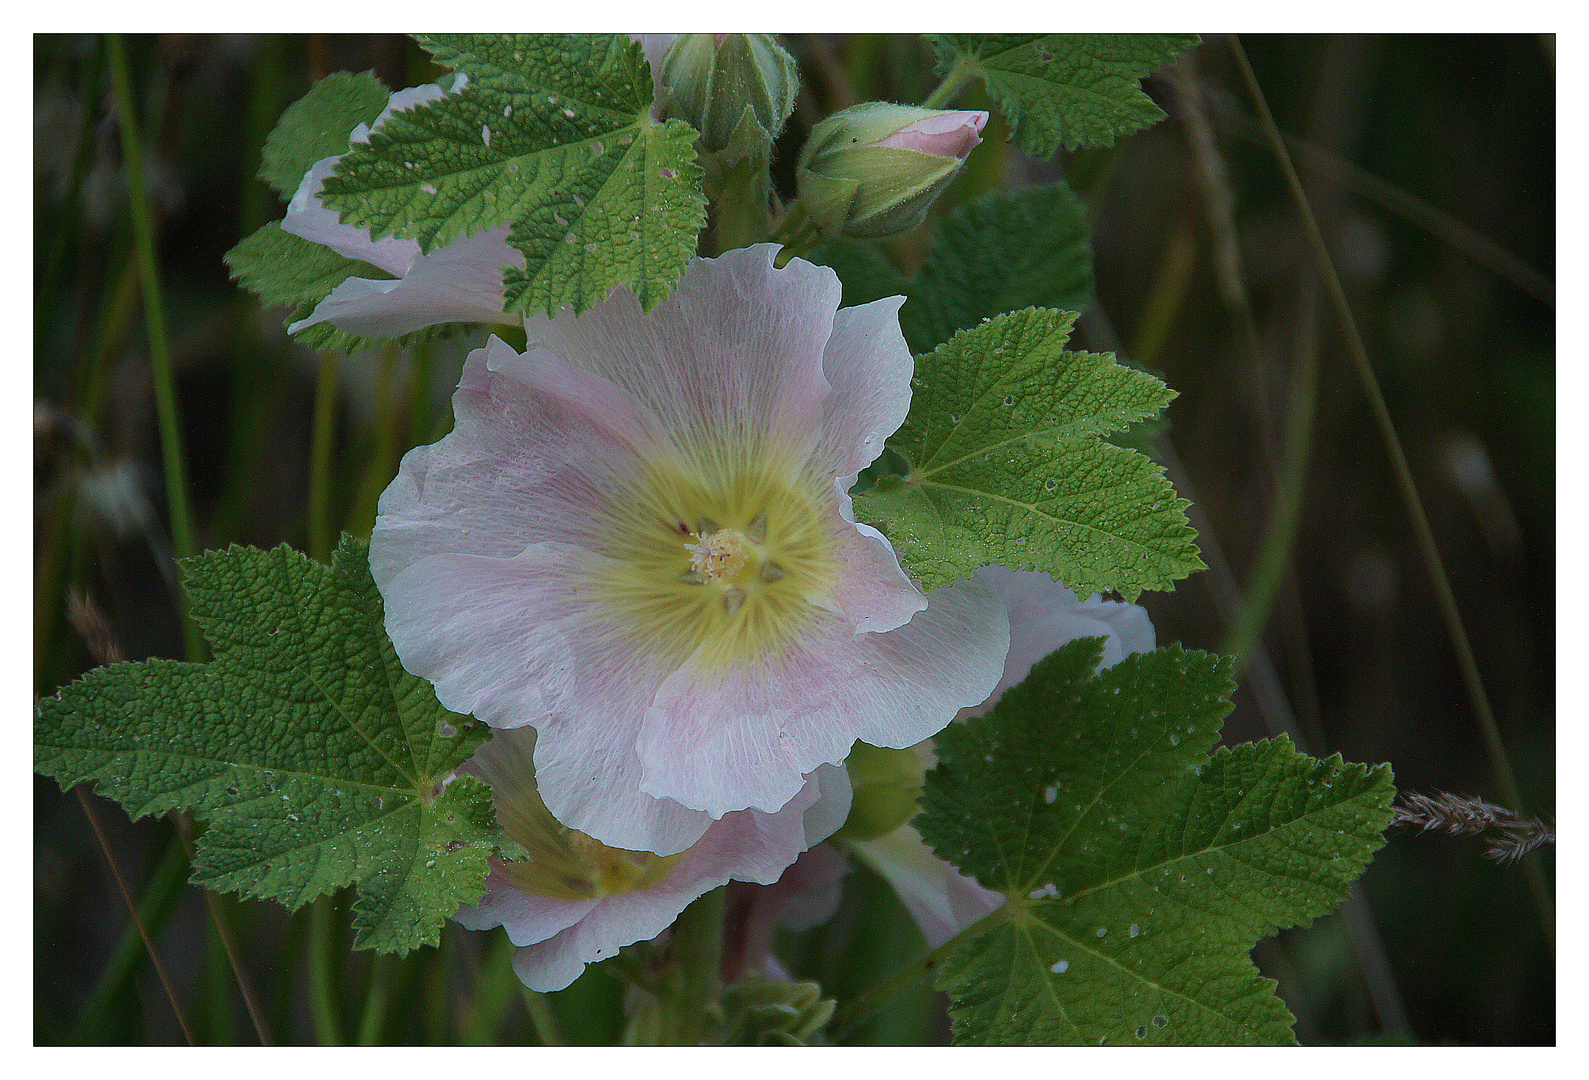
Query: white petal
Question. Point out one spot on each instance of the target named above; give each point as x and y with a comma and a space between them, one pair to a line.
461, 282
827, 814
308, 218
1044, 615
870, 368
734, 352
874, 594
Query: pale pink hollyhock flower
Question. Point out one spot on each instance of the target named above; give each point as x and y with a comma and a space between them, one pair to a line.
461, 282
576, 901
638, 540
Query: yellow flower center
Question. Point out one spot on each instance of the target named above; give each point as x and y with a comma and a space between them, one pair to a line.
734, 556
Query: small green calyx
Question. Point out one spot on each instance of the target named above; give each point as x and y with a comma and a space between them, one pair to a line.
714, 81
886, 784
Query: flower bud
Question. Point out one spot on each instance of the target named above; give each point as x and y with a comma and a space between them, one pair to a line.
874, 169
886, 784
714, 80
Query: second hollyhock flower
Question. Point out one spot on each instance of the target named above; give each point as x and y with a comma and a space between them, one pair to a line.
638, 540
458, 282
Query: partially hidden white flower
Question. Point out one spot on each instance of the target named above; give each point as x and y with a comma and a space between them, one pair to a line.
1044, 615
638, 540
576, 901
459, 282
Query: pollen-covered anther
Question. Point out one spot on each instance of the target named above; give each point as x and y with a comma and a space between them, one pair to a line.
721, 555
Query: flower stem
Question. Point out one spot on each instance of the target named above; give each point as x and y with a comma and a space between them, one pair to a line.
154, 317
132, 911
325, 414
850, 1016
375, 1000
698, 946
958, 79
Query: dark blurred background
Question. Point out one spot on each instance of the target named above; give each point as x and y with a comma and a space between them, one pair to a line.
1430, 162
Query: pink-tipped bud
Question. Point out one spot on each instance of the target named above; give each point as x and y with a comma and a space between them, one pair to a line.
874, 169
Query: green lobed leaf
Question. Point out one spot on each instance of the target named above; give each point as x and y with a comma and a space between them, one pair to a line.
283, 269
552, 134
1005, 464
1075, 89
993, 254
1140, 870
317, 126
315, 758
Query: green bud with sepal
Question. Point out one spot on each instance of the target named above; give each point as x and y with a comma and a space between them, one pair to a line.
885, 784
874, 169
719, 82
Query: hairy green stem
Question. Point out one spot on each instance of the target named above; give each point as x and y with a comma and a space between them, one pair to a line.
740, 205
154, 317
850, 1015
798, 234
698, 947
325, 433
1408, 490
959, 77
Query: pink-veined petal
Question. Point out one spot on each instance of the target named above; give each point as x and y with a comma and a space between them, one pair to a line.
713, 738
534, 446
736, 350
870, 368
